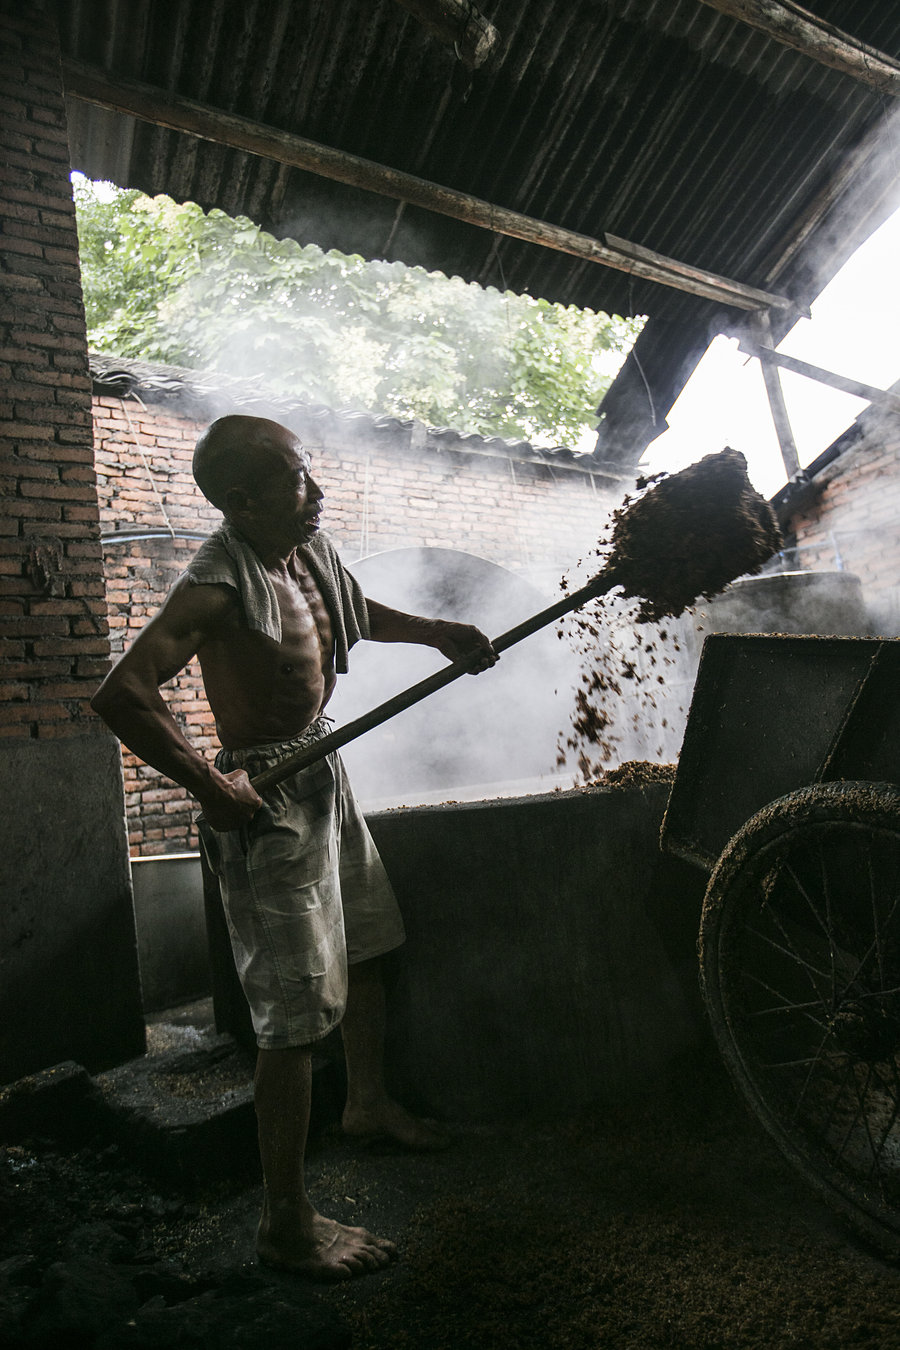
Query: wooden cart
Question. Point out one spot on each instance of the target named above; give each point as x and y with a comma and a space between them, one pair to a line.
788, 793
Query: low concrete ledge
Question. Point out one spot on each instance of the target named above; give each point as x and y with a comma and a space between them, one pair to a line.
550, 959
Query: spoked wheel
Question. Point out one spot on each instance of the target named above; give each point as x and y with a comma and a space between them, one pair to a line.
800, 965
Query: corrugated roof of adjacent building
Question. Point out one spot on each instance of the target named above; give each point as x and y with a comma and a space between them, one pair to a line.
204, 395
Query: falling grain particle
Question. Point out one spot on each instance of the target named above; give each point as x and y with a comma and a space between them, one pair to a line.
687, 536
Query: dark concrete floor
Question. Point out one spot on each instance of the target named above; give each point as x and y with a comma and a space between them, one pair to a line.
669, 1221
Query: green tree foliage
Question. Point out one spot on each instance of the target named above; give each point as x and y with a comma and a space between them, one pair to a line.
169, 283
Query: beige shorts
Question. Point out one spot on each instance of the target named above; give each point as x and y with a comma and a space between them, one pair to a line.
305, 894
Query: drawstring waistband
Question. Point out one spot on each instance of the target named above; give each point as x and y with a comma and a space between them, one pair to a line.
274, 751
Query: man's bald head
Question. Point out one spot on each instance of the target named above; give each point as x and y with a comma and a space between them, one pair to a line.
235, 451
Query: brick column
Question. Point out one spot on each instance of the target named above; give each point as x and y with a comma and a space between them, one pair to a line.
69, 985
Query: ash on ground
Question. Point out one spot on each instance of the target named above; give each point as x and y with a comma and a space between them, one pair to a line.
666, 1222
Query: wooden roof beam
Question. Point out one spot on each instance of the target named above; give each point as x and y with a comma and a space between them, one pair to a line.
794, 26
885, 398
240, 133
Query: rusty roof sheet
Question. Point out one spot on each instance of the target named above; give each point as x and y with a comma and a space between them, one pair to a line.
660, 121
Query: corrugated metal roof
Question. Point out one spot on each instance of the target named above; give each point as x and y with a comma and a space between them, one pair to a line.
660, 121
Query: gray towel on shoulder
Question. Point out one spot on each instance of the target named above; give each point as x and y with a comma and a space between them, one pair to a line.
226, 558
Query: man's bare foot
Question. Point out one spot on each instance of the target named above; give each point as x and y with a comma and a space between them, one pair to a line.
319, 1248
390, 1120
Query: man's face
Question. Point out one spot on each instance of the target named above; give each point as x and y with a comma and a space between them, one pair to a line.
286, 503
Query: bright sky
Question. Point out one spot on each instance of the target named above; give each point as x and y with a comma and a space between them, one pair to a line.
853, 332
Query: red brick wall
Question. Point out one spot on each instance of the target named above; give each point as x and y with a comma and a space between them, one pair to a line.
70, 988
137, 449
854, 518
381, 493
52, 603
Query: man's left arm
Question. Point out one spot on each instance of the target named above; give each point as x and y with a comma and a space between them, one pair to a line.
456, 641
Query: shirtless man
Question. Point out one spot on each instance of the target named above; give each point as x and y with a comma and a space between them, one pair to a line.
270, 612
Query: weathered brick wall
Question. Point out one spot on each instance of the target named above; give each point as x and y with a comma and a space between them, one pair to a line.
69, 981
159, 812
853, 521
143, 464
383, 490
53, 608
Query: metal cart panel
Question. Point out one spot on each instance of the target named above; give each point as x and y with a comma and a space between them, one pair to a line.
773, 714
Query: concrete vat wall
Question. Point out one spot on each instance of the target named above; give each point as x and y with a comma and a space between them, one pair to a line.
550, 956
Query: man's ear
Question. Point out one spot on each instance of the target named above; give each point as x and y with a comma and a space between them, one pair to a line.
237, 503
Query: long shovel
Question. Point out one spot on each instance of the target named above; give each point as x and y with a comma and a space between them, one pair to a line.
689, 535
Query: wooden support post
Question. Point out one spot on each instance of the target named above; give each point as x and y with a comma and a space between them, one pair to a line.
793, 26
241, 133
775, 394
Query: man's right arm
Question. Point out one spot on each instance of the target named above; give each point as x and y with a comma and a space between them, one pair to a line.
130, 703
